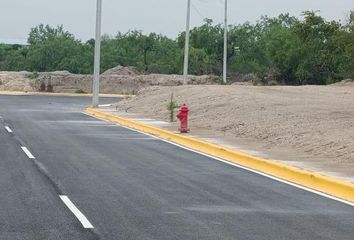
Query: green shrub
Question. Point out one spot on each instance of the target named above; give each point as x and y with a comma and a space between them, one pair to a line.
80, 91
34, 75
171, 108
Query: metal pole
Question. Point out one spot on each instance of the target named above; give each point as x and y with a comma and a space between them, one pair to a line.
96, 74
225, 46
186, 48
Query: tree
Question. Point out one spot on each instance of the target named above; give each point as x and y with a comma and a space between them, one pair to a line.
284, 49
16, 60
42, 34
350, 21
251, 57
54, 49
206, 39
319, 62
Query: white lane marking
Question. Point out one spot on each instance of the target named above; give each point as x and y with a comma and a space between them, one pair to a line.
81, 217
105, 105
264, 174
8, 129
238, 166
28, 153
252, 170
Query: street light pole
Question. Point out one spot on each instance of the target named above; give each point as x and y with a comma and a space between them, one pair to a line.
186, 48
96, 74
225, 46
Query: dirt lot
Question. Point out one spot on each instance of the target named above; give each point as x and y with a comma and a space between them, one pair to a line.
310, 126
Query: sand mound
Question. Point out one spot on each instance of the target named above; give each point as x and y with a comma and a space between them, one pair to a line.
19, 81
316, 121
346, 82
123, 71
120, 80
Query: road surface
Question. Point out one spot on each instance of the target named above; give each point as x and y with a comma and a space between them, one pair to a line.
66, 175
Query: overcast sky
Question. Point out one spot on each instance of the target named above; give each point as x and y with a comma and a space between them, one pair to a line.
161, 16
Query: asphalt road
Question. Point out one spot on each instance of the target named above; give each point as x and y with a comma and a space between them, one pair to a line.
132, 186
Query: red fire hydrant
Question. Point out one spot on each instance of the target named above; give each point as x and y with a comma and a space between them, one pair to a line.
183, 117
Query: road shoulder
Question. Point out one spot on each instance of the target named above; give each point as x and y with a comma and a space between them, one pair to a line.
312, 180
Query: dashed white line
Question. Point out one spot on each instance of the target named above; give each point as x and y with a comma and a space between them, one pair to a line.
81, 217
105, 105
8, 129
28, 153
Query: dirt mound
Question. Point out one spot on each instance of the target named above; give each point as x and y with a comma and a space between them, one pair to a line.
346, 82
123, 71
314, 123
120, 80
15, 81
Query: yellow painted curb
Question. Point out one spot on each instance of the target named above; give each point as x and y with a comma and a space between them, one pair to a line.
10, 93
315, 181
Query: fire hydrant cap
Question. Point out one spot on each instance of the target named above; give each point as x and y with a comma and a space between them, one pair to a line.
184, 108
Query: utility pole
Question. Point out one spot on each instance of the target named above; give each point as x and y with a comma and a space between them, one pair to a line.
225, 46
96, 74
186, 47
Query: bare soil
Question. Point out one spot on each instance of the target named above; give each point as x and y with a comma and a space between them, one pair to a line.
118, 80
310, 127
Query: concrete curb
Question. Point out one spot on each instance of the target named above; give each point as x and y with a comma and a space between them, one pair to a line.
9, 93
315, 181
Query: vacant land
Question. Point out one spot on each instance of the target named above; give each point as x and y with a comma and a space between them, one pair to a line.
308, 126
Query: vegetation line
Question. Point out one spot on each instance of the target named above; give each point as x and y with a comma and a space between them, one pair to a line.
281, 50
